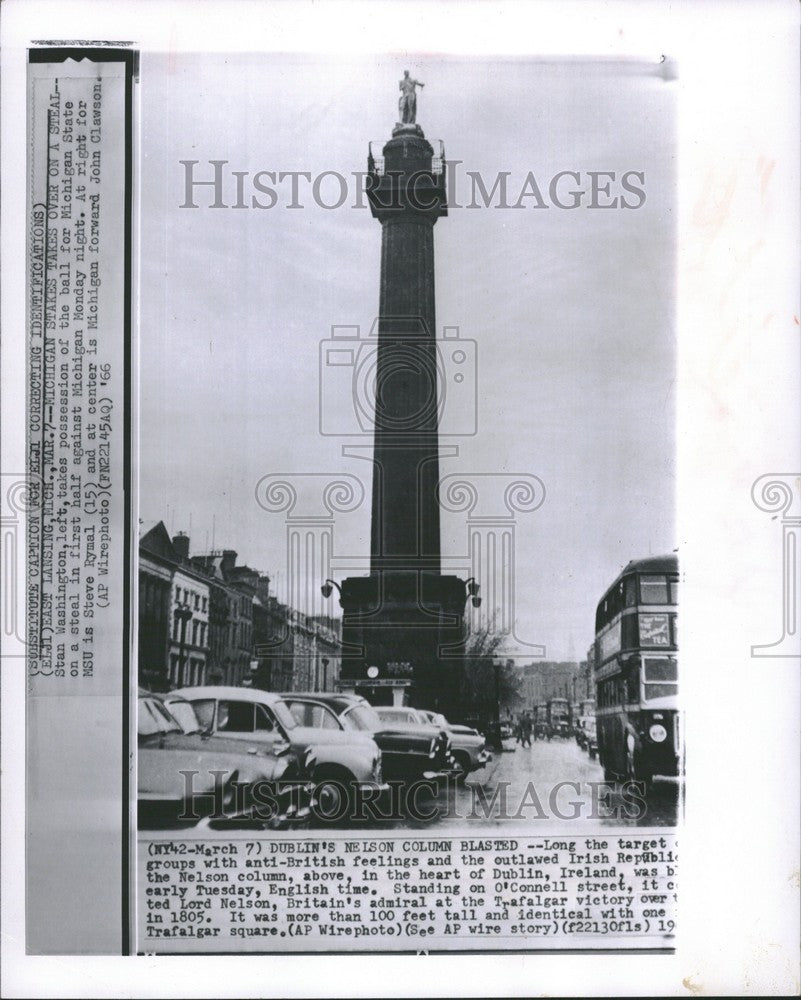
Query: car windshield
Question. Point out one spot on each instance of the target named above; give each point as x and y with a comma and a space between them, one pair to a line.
185, 715
154, 718
362, 717
404, 715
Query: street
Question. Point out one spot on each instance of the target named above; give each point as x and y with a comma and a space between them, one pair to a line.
539, 786
522, 791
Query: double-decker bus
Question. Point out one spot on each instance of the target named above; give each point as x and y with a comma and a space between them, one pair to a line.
559, 717
636, 672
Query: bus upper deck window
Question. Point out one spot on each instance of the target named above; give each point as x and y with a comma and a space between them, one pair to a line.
654, 590
674, 590
630, 585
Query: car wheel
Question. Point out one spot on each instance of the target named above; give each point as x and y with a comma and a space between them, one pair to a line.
335, 798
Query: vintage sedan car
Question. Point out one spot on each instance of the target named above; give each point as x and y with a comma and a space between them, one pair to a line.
344, 761
186, 776
410, 751
468, 746
580, 731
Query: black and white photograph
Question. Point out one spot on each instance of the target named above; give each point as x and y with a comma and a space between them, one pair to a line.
382, 389
407, 457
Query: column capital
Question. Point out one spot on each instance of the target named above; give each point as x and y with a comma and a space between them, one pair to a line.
778, 493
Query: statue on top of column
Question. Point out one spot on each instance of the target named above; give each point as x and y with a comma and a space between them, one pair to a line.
408, 99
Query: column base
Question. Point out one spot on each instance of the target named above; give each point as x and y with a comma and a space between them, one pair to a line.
403, 631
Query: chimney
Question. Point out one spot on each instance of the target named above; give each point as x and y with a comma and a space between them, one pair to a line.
263, 588
228, 561
180, 543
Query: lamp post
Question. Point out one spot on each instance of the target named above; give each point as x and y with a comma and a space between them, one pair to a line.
184, 614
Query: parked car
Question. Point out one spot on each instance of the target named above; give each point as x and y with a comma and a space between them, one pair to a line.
581, 736
410, 751
171, 741
468, 746
344, 760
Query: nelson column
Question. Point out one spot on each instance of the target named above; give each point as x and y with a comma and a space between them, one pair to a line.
403, 625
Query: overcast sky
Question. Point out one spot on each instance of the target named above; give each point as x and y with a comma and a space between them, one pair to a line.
572, 311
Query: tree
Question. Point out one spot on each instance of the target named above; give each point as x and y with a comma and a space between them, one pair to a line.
484, 650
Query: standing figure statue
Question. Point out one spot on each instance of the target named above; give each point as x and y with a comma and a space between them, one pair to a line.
408, 99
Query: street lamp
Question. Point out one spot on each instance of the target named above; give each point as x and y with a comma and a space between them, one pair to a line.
327, 588
472, 589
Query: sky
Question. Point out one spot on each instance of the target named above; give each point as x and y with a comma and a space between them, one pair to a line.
571, 311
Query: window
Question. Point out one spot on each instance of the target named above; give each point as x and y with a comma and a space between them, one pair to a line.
185, 715
660, 677
235, 717
197, 602
148, 723
362, 716
204, 710
630, 591
654, 590
329, 720
313, 716
167, 724
674, 590
205, 604
282, 713
298, 710
264, 721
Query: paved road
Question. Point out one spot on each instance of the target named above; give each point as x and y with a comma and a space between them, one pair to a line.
550, 782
